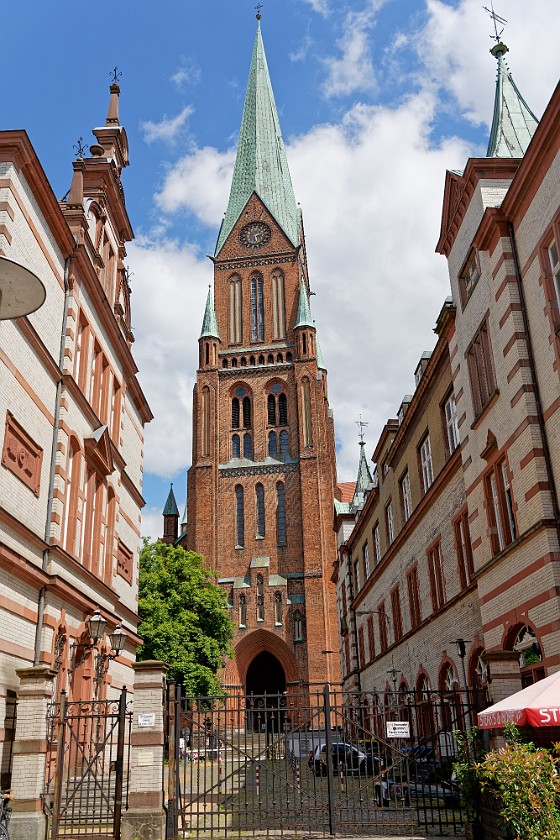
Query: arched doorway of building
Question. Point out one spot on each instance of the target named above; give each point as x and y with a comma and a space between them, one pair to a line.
265, 686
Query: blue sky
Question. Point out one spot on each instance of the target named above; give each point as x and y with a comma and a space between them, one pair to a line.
376, 99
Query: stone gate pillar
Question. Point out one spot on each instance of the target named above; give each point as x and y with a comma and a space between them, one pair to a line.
30, 753
145, 817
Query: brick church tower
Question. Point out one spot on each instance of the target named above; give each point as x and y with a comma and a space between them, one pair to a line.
262, 482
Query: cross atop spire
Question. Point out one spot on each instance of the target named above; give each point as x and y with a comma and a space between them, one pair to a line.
496, 19
261, 165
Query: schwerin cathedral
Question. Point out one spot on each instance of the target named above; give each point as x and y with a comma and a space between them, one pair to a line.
263, 477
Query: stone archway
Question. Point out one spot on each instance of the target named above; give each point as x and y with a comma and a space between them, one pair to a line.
265, 675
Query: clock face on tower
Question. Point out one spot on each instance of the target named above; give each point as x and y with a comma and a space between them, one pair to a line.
255, 234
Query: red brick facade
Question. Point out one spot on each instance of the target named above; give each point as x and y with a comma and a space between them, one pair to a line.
291, 613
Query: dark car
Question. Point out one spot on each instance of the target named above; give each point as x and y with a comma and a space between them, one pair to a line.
345, 758
388, 789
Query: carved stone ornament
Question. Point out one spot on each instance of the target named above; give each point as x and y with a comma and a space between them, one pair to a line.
21, 455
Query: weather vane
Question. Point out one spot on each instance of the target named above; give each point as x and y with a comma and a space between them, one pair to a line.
116, 74
258, 7
362, 424
80, 147
496, 19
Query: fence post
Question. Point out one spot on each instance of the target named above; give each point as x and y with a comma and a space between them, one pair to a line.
30, 753
145, 817
328, 745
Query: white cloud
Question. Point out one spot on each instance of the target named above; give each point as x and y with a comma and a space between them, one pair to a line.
353, 69
454, 46
301, 53
152, 523
188, 73
319, 6
200, 181
168, 128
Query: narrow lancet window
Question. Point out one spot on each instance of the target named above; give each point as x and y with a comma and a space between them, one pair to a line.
239, 518
260, 510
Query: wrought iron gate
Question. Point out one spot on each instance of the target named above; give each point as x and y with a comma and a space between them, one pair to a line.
87, 768
323, 763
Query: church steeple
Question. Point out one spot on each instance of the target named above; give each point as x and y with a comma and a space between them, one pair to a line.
261, 164
304, 316
209, 322
514, 123
364, 481
170, 518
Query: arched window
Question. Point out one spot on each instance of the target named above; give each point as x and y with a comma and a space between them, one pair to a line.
271, 410
270, 359
307, 425
278, 307
239, 518
247, 447
236, 447
527, 645
252, 361
205, 436
243, 362
289, 357
235, 309
284, 449
272, 444
281, 514
279, 358
283, 410
242, 611
261, 360
234, 362
246, 412
304, 344
224, 363
235, 413
260, 598
278, 609
207, 352
260, 510
257, 308
73, 481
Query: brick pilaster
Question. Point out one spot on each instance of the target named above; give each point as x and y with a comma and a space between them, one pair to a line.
145, 817
30, 753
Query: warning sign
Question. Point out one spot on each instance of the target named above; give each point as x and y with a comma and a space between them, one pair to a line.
398, 729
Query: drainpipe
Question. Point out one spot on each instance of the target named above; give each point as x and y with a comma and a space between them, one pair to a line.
50, 500
537, 391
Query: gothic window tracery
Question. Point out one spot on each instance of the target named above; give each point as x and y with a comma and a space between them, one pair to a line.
272, 444
236, 446
239, 518
247, 447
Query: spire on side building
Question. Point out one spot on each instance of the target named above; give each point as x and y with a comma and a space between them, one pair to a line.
261, 165
364, 481
304, 316
209, 322
514, 123
170, 518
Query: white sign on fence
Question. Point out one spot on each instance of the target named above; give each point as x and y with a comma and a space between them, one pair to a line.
398, 729
147, 720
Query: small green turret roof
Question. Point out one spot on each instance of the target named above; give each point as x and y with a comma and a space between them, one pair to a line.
304, 316
514, 123
171, 508
364, 481
261, 165
209, 322
320, 358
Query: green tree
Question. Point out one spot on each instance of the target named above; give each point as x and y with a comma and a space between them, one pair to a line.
184, 619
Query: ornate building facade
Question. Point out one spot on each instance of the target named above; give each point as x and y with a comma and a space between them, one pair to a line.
72, 415
263, 476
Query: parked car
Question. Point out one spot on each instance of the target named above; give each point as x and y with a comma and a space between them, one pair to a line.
445, 791
345, 757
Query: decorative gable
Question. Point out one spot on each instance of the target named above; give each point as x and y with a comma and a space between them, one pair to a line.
98, 451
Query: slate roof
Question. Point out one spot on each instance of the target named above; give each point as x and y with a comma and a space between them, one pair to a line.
513, 123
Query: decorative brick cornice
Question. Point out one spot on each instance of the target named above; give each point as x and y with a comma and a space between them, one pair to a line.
269, 469
234, 265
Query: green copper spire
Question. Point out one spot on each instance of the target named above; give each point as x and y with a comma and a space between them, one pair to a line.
184, 521
171, 508
514, 123
364, 482
209, 323
304, 317
261, 164
320, 358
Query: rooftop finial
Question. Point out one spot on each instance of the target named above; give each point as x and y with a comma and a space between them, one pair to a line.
496, 19
258, 7
362, 424
115, 75
80, 147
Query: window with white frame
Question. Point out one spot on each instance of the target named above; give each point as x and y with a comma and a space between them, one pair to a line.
555, 267
406, 497
390, 523
500, 507
451, 422
470, 276
366, 561
376, 545
426, 463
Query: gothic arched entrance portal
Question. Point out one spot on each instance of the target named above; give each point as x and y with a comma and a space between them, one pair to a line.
265, 686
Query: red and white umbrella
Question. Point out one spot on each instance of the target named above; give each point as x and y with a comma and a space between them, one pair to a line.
537, 705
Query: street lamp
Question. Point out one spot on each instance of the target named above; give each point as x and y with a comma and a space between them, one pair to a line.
21, 291
96, 625
462, 651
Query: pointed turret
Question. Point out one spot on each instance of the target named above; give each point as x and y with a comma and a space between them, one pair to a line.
112, 137
261, 164
320, 358
184, 522
170, 518
514, 123
364, 481
304, 316
209, 322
